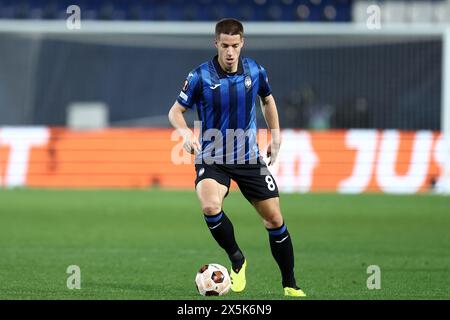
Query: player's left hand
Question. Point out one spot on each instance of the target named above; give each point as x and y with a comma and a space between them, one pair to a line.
272, 151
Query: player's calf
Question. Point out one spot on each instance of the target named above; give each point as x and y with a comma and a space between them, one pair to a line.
283, 253
223, 232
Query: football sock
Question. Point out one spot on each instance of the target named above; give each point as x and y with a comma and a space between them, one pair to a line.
237, 260
283, 253
222, 230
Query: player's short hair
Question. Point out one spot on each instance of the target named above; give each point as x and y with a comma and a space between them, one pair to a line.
229, 26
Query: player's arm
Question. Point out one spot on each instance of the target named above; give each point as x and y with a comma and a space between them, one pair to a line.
176, 118
270, 113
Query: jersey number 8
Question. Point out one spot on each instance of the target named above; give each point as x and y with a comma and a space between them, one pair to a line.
270, 183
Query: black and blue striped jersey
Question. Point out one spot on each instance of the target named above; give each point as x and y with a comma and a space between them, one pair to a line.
225, 105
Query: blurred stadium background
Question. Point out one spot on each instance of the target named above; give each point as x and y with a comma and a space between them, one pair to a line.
377, 93
364, 101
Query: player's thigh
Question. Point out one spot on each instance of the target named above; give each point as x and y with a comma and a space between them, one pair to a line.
211, 194
260, 188
255, 182
270, 212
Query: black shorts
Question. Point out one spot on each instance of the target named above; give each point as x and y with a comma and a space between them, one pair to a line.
254, 180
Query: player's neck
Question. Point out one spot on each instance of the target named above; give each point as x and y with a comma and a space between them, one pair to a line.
233, 69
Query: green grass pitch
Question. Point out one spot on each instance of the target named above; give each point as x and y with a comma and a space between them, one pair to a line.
150, 244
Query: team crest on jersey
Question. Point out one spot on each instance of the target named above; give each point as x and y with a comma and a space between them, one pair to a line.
248, 82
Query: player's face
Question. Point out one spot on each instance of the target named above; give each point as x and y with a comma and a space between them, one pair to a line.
229, 48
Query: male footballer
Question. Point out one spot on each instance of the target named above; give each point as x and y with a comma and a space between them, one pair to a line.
224, 91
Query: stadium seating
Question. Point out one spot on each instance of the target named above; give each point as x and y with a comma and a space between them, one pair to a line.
179, 10
414, 11
247, 10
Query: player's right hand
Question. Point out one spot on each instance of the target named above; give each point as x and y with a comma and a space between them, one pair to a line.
191, 143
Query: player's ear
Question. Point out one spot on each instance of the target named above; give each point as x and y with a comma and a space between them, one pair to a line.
216, 44
242, 41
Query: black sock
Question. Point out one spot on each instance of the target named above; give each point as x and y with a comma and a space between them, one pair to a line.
222, 230
283, 252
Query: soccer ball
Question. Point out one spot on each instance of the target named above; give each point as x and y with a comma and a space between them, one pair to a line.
213, 280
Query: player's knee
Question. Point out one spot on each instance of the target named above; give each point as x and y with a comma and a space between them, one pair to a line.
211, 208
274, 221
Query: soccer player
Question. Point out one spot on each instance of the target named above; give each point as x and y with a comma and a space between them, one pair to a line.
224, 91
